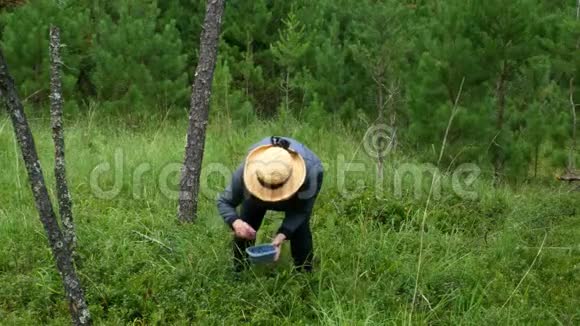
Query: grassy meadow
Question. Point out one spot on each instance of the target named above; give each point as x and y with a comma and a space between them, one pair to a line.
507, 255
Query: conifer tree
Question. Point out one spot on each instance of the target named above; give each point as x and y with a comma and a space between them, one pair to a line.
24, 42
505, 34
138, 62
288, 50
246, 40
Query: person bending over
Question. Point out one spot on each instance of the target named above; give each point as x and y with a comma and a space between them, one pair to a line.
278, 174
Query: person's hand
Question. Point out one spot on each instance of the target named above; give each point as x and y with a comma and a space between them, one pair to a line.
243, 230
277, 243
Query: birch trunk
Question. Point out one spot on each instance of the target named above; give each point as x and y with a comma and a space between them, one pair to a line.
199, 109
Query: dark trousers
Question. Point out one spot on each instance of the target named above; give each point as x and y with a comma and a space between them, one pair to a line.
300, 241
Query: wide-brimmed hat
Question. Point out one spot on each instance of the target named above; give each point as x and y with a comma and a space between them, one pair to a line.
273, 173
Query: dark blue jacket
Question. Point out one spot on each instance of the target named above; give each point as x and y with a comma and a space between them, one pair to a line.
298, 208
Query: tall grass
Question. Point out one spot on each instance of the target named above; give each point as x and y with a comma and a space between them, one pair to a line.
481, 260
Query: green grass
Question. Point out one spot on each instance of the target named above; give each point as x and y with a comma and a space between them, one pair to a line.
474, 254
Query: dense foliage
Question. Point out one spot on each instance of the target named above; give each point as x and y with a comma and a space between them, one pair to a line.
348, 60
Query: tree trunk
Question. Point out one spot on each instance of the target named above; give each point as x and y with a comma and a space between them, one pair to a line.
536, 156
394, 90
56, 100
11, 3
500, 112
287, 91
379, 81
571, 157
62, 255
248, 61
199, 110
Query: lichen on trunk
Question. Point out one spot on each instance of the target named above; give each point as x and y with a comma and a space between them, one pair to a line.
62, 255
56, 104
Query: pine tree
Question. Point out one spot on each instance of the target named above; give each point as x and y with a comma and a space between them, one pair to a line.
378, 47
187, 16
228, 101
505, 34
446, 57
25, 43
138, 63
328, 55
246, 40
288, 51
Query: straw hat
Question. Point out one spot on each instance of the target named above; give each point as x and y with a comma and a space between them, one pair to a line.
272, 173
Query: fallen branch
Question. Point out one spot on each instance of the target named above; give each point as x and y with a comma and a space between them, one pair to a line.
153, 240
569, 176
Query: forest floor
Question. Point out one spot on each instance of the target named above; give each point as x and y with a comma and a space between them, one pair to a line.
506, 255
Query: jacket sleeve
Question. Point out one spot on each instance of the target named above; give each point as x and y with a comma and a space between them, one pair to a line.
231, 197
